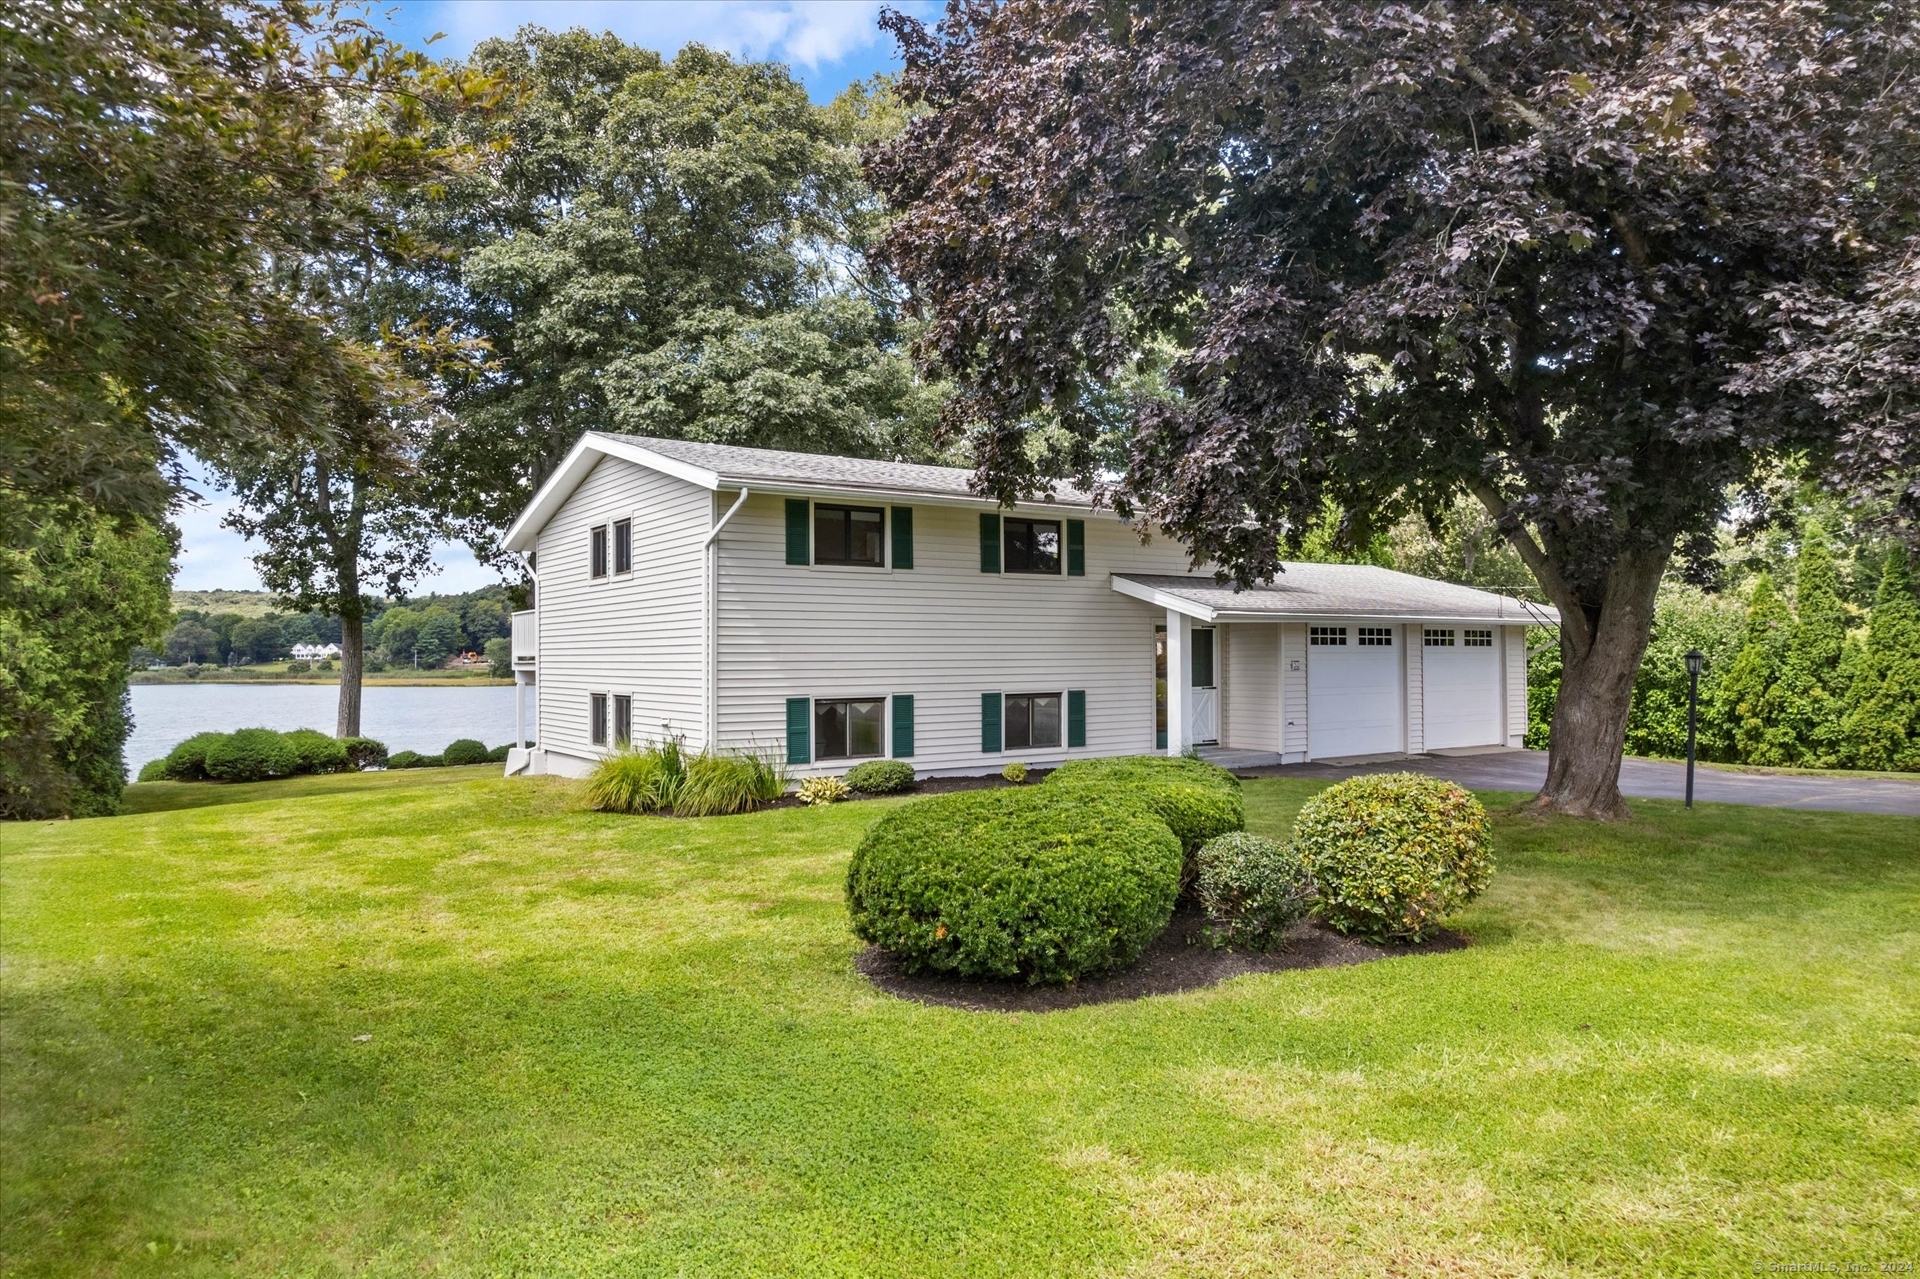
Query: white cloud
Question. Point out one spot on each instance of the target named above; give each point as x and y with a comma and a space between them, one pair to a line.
803, 33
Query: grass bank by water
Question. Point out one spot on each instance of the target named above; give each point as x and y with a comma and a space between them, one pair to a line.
441, 1021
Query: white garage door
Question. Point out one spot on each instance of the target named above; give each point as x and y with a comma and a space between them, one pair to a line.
1353, 691
1462, 694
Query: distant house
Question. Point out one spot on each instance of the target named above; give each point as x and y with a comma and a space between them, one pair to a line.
315, 652
832, 609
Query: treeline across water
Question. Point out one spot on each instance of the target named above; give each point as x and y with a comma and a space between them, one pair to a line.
427, 631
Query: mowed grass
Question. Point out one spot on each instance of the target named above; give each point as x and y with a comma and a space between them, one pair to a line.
465, 1027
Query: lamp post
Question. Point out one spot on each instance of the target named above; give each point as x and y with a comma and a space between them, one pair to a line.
1695, 660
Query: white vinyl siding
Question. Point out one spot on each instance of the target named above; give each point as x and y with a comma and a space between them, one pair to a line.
1516, 655
638, 633
1293, 691
1413, 652
942, 631
1251, 705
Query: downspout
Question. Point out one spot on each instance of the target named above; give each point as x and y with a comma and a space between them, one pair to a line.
712, 680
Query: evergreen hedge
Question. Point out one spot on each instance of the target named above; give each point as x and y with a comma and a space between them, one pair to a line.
1196, 799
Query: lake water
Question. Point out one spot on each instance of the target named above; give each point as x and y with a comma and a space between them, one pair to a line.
406, 718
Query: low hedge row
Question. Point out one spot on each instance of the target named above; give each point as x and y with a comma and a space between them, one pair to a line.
1197, 800
261, 754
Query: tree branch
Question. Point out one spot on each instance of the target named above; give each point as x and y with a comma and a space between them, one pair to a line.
1538, 562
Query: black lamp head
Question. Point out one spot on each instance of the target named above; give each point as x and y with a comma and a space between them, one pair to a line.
1695, 661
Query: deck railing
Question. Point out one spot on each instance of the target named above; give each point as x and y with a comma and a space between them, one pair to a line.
526, 637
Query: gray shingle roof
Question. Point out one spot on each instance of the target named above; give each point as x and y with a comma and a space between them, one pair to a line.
737, 465
1341, 590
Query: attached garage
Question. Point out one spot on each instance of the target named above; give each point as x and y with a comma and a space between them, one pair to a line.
1461, 701
1369, 661
1354, 691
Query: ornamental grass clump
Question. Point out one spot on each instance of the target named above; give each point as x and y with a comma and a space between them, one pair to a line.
1197, 800
881, 777
644, 780
732, 782
1041, 884
1391, 854
1253, 889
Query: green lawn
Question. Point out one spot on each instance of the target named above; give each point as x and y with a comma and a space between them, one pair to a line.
456, 1025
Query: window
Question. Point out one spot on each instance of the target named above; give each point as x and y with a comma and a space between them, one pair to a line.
597, 719
1033, 719
1439, 639
1033, 546
597, 555
1320, 636
1476, 639
622, 719
848, 535
623, 546
848, 729
1376, 637
1202, 657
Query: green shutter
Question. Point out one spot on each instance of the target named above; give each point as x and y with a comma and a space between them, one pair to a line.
1076, 717
799, 729
990, 547
1076, 548
903, 725
990, 723
903, 550
797, 531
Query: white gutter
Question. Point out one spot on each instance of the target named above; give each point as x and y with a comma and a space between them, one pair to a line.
729, 515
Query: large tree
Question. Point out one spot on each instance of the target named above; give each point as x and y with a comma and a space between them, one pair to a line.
1551, 254
662, 246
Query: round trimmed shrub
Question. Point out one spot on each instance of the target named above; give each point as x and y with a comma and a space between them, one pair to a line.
1391, 854
1253, 889
364, 753
187, 762
317, 752
409, 759
880, 777
498, 755
251, 755
463, 752
154, 770
1043, 884
1197, 799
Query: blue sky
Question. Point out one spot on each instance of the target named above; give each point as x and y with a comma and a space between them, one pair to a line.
829, 44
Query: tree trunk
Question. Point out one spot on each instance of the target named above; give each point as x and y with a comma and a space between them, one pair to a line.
1600, 653
353, 632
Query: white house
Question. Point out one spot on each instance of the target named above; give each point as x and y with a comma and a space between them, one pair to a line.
830, 610
315, 652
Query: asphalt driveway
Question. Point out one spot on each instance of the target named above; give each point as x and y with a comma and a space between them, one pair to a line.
1519, 770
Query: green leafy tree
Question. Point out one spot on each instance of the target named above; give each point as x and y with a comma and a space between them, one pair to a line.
1882, 726
439, 637
1741, 698
670, 246
1685, 617
76, 604
1801, 710
259, 639
191, 641
1544, 254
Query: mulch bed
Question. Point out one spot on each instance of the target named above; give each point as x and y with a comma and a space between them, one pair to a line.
1180, 958
926, 786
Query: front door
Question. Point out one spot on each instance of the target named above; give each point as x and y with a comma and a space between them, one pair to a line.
1203, 695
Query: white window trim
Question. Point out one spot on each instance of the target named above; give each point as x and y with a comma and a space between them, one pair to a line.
885, 566
886, 726
1061, 520
1061, 745
613, 556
